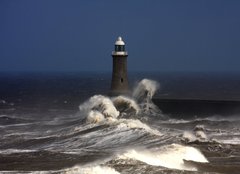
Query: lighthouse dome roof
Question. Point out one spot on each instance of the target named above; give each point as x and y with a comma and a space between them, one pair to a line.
119, 41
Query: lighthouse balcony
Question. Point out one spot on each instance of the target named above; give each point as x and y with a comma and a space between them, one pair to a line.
120, 53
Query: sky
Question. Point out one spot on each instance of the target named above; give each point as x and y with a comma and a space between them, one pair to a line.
160, 35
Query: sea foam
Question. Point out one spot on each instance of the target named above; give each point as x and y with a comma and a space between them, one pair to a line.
90, 170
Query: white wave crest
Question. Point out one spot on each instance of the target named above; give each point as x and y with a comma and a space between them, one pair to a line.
98, 107
102, 104
231, 140
130, 123
170, 156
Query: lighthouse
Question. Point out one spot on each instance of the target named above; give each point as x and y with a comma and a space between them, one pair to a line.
119, 83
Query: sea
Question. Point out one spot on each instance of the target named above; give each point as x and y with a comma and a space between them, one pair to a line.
68, 123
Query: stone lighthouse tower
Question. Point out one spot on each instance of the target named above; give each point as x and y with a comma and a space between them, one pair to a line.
119, 72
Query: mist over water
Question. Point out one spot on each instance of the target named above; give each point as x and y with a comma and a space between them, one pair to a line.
121, 134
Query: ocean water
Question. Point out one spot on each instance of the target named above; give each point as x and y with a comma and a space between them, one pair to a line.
67, 123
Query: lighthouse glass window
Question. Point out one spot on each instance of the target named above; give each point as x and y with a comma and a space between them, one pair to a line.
119, 47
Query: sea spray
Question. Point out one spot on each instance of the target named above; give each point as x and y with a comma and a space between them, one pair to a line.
143, 93
145, 89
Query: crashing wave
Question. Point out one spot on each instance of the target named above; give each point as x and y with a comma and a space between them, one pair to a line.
125, 104
100, 108
170, 156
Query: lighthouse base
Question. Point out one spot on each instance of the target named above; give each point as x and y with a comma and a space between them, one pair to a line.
113, 93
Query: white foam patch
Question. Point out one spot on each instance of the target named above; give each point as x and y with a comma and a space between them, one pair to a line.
234, 140
90, 170
170, 156
10, 151
175, 121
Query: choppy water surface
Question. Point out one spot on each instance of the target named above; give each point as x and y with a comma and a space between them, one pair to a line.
116, 135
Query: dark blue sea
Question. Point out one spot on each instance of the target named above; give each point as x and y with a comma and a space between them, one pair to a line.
67, 123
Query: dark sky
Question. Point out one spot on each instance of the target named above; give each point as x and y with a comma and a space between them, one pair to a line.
160, 35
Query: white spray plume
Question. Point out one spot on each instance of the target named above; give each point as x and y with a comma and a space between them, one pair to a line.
146, 87
143, 94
